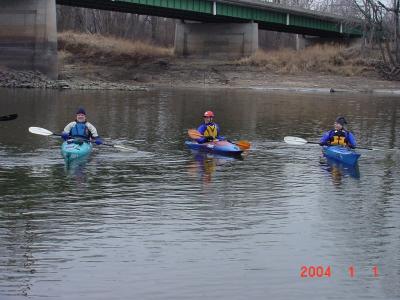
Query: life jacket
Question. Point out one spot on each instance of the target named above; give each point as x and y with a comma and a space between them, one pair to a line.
211, 130
339, 137
80, 130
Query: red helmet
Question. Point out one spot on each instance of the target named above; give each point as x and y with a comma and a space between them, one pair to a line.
208, 114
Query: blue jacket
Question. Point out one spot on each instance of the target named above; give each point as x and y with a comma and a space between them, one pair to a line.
338, 137
210, 129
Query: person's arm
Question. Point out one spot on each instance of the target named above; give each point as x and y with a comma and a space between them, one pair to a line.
94, 134
202, 128
325, 139
351, 140
69, 126
92, 129
66, 134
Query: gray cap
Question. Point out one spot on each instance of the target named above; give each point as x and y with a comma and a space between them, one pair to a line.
341, 120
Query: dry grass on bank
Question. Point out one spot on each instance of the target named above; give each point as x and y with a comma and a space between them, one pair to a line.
98, 49
332, 59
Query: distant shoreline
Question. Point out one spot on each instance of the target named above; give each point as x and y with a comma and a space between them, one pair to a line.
93, 62
205, 76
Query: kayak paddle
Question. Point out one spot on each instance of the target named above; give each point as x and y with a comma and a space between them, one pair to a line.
194, 134
8, 117
293, 140
42, 131
45, 132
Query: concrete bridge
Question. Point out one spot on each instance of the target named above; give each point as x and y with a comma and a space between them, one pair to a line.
227, 28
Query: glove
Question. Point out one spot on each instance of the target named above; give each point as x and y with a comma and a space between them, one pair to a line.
65, 136
98, 141
209, 138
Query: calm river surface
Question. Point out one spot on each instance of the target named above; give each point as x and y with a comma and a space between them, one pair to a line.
164, 223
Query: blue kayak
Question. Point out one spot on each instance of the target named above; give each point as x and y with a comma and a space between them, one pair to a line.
73, 150
341, 154
217, 147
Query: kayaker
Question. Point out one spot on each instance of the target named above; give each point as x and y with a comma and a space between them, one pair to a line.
81, 128
339, 135
209, 129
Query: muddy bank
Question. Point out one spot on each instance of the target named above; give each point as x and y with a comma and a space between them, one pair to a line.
189, 73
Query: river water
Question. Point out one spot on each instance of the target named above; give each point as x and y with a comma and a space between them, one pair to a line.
164, 223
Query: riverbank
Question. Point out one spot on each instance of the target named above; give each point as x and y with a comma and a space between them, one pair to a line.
92, 62
186, 73
182, 73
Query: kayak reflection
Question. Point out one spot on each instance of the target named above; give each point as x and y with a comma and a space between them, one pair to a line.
205, 164
339, 170
76, 168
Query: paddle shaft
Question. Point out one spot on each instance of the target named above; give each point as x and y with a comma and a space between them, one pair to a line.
364, 148
300, 141
45, 132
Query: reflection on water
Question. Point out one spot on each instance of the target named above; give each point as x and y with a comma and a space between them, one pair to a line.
165, 223
75, 169
339, 170
204, 164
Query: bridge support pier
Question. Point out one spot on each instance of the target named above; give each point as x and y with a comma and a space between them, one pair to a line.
215, 40
28, 35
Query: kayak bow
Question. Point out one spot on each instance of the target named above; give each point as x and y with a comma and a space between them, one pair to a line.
73, 150
341, 154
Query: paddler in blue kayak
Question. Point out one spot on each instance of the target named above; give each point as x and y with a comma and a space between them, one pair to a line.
209, 129
339, 136
81, 129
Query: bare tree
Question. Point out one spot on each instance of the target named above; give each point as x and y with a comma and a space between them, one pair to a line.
125, 25
382, 28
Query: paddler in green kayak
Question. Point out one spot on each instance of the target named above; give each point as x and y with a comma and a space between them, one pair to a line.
339, 136
81, 129
209, 129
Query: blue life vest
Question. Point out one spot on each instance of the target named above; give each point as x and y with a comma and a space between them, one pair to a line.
80, 130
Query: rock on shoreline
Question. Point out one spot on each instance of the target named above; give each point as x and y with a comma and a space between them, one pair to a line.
35, 79
26, 79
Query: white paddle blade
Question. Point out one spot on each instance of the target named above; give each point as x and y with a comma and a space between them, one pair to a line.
292, 140
39, 130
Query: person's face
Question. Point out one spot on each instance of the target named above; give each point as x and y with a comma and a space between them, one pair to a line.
338, 126
207, 120
81, 118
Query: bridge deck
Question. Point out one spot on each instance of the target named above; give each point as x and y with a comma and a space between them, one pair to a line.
269, 16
